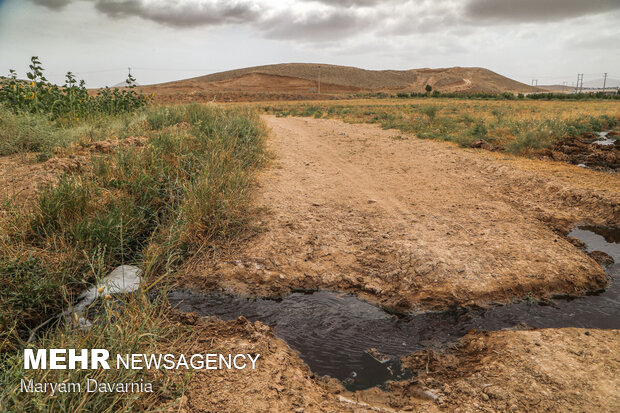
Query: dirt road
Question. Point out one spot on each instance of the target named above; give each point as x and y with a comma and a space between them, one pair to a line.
413, 224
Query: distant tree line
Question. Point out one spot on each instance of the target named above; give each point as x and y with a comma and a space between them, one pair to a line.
496, 96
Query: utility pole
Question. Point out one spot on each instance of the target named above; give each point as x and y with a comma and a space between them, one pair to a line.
319, 79
579, 86
564, 86
536, 82
604, 82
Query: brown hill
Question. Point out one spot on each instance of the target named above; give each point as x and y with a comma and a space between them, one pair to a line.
302, 78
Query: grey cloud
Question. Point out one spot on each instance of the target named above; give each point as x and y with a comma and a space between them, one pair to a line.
338, 19
352, 3
186, 14
53, 4
536, 10
173, 13
316, 26
422, 17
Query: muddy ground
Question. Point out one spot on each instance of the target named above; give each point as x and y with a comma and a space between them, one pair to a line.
412, 224
587, 152
567, 370
416, 225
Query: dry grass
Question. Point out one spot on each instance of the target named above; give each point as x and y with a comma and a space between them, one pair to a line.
515, 126
188, 187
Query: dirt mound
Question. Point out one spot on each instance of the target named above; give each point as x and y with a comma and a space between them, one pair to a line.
566, 370
281, 381
111, 145
301, 77
584, 150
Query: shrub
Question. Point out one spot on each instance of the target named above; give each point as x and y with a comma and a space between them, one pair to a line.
430, 111
71, 102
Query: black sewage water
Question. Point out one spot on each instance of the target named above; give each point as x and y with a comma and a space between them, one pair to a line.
335, 332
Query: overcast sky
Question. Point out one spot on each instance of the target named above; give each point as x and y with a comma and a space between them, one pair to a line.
548, 40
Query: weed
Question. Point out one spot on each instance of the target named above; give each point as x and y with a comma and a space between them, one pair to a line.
430, 111
153, 204
136, 325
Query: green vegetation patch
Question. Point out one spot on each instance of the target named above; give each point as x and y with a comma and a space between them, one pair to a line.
152, 205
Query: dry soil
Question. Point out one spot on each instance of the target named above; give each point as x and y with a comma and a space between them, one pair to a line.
412, 224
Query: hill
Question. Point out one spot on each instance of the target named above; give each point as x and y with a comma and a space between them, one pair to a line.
302, 78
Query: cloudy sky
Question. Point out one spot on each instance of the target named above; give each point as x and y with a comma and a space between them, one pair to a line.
548, 40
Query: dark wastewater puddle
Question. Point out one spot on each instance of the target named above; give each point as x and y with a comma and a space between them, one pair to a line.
334, 332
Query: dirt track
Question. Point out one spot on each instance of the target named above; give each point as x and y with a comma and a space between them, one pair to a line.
412, 224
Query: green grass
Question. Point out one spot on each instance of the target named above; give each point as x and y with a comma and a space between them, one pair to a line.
35, 133
140, 327
28, 133
151, 206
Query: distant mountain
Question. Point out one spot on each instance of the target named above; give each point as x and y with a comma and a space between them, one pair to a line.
303, 78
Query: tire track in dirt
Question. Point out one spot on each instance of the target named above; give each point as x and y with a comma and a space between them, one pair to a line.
407, 223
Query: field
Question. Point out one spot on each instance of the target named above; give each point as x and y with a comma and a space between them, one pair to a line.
411, 204
518, 127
